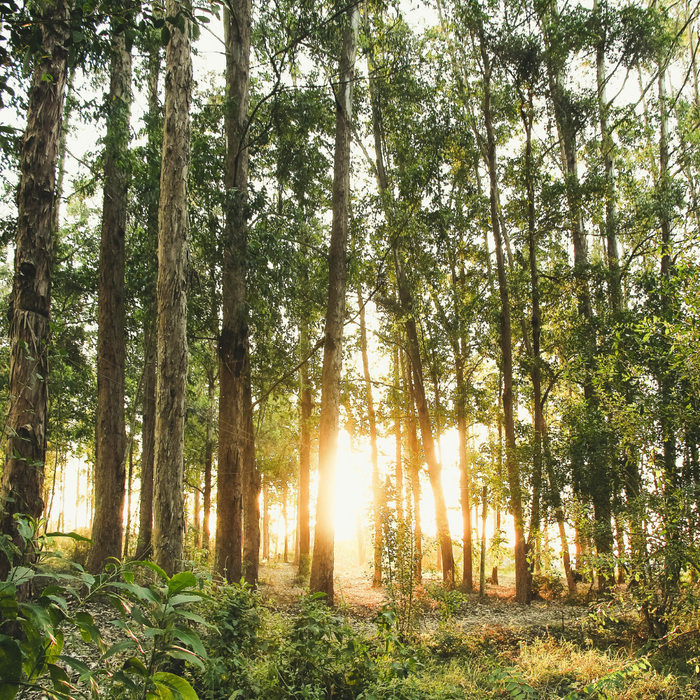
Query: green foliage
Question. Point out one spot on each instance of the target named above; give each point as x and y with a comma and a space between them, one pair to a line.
156, 619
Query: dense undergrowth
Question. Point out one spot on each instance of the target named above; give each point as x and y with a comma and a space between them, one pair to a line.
137, 634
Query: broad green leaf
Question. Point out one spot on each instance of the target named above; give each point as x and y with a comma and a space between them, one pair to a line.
180, 581
174, 685
190, 638
119, 646
154, 567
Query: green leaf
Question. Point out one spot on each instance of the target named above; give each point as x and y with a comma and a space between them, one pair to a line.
119, 646
154, 567
181, 581
185, 655
185, 598
188, 615
191, 638
10, 667
164, 35
135, 665
72, 535
169, 685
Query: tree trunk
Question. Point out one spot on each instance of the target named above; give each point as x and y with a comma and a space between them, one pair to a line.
111, 340
376, 486
285, 490
522, 574
251, 497
414, 461
171, 377
306, 408
266, 519
234, 343
208, 459
323, 559
434, 467
127, 536
23, 473
527, 116
482, 561
464, 476
143, 546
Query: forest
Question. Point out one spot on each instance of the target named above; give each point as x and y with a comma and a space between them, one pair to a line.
349, 349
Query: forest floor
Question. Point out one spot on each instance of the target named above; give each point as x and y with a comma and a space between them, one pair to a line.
356, 597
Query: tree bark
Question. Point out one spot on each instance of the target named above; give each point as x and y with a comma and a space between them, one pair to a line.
144, 542
234, 343
414, 461
209, 458
143, 546
251, 496
376, 486
464, 476
322, 565
23, 473
107, 527
171, 377
306, 408
522, 576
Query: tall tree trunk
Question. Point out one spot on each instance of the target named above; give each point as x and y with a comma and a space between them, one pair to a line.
23, 473
285, 491
482, 559
233, 342
251, 497
196, 515
414, 462
323, 559
130, 476
305, 410
376, 486
400, 515
209, 458
527, 116
596, 480
522, 574
464, 475
266, 519
434, 467
143, 546
171, 377
111, 340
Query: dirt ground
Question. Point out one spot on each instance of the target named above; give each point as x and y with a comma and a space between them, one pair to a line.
354, 593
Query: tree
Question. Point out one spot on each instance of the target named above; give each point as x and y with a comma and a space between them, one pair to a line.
323, 557
235, 408
171, 378
111, 341
23, 474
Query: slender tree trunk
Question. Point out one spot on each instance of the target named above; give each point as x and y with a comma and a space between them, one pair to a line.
414, 461
305, 409
171, 377
23, 473
323, 559
251, 497
285, 490
143, 546
527, 116
482, 563
522, 574
464, 476
197, 515
130, 476
209, 458
234, 343
266, 519
111, 340
434, 467
376, 486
